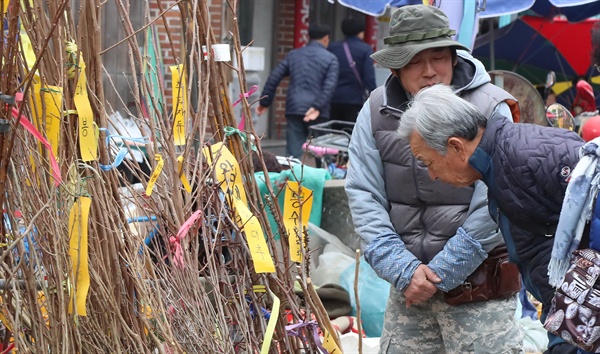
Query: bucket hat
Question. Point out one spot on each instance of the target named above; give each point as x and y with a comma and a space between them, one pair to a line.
413, 29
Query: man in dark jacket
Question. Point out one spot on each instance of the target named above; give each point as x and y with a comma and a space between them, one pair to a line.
526, 168
357, 73
313, 73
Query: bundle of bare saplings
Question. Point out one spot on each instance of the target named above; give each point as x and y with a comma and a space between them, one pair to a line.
132, 221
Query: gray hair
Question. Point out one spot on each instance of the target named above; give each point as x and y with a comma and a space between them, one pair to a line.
436, 113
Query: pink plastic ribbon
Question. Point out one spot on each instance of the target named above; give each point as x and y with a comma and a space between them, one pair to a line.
31, 128
175, 241
252, 90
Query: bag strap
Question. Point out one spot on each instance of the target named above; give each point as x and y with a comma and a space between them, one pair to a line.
352, 63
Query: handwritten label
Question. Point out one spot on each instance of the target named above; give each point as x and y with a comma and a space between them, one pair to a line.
259, 251
329, 344
297, 206
78, 251
155, 174
88, 142
179, 103
227, 170
228, 175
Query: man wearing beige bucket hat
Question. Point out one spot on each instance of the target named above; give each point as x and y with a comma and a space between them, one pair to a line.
425, 237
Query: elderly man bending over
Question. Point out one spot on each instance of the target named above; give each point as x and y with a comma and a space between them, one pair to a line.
526, 168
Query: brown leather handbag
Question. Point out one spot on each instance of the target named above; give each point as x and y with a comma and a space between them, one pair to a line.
495, 278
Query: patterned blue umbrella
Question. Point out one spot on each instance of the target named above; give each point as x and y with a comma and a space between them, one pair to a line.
375, 7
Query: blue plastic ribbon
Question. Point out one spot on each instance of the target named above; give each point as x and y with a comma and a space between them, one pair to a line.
122, 151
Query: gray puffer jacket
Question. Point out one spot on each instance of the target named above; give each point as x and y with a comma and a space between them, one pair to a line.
398, 211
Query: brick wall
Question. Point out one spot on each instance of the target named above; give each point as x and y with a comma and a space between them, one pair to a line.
284, 42
171, 49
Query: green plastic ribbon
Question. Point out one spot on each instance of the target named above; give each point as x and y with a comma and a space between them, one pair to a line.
229, 131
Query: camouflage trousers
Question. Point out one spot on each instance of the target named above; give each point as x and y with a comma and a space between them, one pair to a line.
436, 327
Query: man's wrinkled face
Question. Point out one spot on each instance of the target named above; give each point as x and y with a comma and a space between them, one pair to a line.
427, 68
450, 168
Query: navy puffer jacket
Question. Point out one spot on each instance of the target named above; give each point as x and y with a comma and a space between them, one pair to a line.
526, 168
349, 90
313, 73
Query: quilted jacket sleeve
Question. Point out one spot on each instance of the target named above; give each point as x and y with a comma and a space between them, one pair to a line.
329, 84
282, 70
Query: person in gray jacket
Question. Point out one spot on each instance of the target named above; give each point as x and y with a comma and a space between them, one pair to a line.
423, 236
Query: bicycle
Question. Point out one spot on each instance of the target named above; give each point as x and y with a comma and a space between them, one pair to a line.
329, 146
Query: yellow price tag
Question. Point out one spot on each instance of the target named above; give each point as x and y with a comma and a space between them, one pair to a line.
78, 251
329, 344
28, 53
53, 96
228, 175
154, 177
227, 171
180, 103
271, 325
88, 143
182, 177
297, 206
259, 251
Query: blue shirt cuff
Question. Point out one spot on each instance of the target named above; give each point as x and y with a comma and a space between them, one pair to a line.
459, 258
390, 259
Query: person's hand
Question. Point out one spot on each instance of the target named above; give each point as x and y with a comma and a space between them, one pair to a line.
311, 114
260, 110
422, 286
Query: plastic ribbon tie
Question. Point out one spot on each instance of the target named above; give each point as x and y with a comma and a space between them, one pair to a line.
273, 316
252, 90
31, 128
175, 241
72, 58
152, 232
141, 219
229, 131
294, 330
4, 125
9, 100
47, 89
122, 152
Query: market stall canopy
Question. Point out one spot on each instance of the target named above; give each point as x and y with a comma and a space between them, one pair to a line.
375, 7
573, 10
